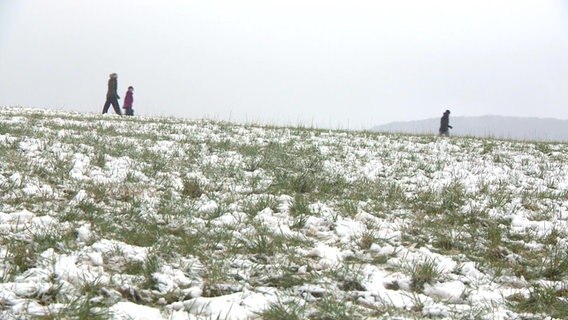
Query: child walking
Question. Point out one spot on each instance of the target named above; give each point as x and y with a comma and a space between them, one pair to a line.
128, 100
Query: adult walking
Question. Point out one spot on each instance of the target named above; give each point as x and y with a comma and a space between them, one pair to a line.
445, 124
112, 95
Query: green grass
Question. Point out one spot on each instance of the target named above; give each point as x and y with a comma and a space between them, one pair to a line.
330, 307
423, 273
185, 179
542, 300
289, 310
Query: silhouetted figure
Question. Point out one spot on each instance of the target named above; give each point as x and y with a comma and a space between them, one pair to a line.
112, 95
445, 124
128, 100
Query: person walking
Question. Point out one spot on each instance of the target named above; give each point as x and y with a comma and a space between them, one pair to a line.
112, 95
128, 100
445, 124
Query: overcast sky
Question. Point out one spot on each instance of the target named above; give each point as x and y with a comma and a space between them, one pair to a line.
337, 64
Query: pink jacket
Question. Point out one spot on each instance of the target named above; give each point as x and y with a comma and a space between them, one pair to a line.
128, 100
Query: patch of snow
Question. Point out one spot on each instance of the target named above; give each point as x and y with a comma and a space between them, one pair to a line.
450, 291
130, 311
238, 306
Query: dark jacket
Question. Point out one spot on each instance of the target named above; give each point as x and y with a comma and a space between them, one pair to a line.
445, 122
112, 89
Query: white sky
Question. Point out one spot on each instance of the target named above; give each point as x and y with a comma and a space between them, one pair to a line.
337, 64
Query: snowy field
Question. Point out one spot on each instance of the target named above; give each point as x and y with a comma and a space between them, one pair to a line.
103, 217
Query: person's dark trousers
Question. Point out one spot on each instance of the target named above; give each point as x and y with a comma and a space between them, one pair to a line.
129, 111
114, 102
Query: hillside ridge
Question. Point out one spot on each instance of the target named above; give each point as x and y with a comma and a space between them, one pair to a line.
488, 126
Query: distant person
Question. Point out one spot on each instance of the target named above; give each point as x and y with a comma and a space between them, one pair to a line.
128, 100
445, 124
112, 95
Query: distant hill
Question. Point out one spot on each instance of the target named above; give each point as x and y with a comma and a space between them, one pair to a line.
517, 128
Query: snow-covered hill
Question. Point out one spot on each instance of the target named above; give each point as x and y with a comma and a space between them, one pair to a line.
157, 218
